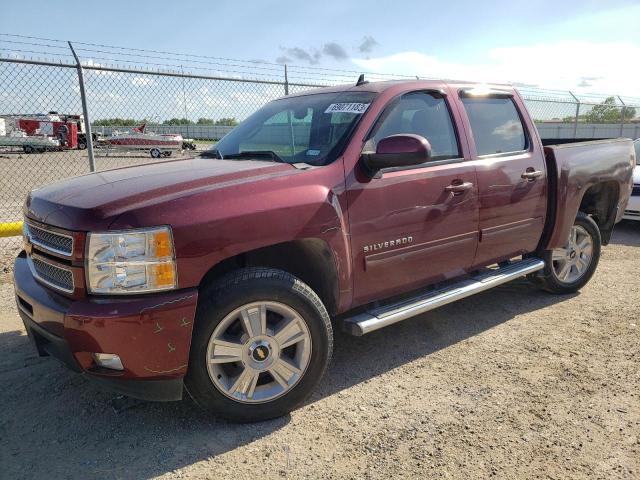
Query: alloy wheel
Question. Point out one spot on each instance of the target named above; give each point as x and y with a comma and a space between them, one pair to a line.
258, 352
572, 261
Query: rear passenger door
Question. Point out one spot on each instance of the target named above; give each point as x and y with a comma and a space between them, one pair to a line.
511, 175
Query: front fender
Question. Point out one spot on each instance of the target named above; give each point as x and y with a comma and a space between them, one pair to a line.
316, 215
216, 225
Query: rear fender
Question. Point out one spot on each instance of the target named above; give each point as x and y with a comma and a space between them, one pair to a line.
594, 177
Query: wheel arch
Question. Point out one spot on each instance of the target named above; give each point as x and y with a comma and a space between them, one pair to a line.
600, 202
309, 259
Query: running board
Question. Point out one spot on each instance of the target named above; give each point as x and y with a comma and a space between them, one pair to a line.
376, 318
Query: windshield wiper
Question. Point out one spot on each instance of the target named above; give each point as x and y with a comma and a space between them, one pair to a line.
256, 154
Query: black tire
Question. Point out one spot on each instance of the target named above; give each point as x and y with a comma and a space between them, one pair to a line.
155, 153
82, 145
549, 279
28, 149
233, 291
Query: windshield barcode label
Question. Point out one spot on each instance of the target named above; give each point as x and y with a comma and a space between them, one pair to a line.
347, 108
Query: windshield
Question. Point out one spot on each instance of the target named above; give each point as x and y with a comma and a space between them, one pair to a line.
310, 129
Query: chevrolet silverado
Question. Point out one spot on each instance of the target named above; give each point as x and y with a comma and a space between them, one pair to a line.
355, 207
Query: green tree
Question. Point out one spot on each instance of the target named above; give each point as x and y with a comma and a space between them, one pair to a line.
206, 121
227, 122
117, 122
178, 121
609, 112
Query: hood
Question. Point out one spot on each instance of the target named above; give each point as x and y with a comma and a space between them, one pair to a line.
93, 201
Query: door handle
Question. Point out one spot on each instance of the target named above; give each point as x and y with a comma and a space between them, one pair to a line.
531, 174
458, 188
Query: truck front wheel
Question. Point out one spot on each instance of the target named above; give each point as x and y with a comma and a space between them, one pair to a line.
569, 268
262, 341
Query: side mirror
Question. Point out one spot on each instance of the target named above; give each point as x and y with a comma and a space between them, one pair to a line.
398, 151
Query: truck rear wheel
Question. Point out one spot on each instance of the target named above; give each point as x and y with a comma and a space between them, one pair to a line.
262, 341
569, 268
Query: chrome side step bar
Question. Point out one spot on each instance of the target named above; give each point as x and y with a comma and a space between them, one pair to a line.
376, 318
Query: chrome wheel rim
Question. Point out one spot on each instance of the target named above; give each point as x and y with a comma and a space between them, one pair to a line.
571, 262
258, 352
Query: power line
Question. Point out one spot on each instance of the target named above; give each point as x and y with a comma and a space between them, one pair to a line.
313, 73
162, 52
173, 59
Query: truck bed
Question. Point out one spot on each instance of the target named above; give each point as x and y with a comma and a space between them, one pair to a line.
594, 176
562, 141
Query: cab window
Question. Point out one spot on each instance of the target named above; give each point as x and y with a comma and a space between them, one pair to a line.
419, 113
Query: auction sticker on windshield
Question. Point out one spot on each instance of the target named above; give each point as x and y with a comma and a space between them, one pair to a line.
347, 108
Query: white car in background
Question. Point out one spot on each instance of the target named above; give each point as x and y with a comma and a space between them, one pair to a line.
632, 211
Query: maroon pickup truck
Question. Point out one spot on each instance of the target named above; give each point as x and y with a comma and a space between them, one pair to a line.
358, 205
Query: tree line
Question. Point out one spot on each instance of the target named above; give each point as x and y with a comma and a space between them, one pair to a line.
127, 122
605, 112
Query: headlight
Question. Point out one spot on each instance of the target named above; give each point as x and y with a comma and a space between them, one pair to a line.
134, 261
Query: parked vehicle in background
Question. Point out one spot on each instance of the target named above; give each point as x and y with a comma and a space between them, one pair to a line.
364, 204
632, 212
50, 125
79, 122
157, 144
16, 137
188, 144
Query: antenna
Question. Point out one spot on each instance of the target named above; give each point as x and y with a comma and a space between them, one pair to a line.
361, 80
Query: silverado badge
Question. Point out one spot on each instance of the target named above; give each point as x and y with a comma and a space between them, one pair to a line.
374, 247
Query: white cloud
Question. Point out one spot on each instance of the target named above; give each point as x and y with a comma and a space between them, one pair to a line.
578, 66
92, 63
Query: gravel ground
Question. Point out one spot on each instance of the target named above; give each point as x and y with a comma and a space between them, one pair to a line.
22, 172
512, 384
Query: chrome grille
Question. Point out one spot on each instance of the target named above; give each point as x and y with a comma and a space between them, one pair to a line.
52, 275
51, 241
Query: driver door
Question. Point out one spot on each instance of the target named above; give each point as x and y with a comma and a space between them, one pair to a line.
408, 229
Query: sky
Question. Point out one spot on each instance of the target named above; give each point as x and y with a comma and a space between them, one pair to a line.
586, 46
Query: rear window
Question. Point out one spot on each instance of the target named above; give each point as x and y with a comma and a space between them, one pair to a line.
495, 124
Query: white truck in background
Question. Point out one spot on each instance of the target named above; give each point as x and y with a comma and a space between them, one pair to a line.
11, 136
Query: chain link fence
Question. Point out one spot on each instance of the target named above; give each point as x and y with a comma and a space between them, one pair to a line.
179, 102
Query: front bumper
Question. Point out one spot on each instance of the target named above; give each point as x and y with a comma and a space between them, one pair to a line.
150, 333
632, 210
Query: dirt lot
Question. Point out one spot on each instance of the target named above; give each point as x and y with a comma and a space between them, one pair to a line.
21, 172
511, 384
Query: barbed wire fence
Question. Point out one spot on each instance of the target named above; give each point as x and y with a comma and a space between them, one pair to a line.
199, 97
